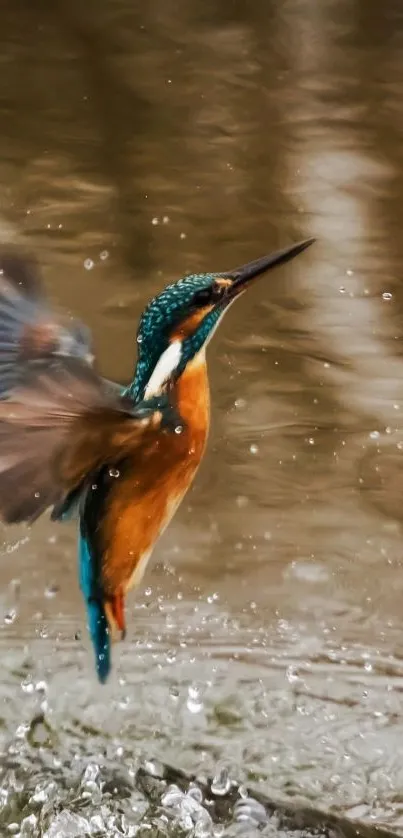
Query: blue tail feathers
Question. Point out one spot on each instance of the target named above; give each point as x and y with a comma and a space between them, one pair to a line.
97, 622
99, 631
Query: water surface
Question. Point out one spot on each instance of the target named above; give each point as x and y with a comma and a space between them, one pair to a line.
139, 142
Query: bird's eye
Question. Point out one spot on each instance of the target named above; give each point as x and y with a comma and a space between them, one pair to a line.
209, 295
202, 297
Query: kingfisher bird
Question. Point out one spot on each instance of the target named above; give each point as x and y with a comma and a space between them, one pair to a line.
120, 459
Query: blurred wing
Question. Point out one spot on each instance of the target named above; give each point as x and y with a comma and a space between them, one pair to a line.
34, 425
29, 330
58, 428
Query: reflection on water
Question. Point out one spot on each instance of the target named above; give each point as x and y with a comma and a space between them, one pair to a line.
141, 142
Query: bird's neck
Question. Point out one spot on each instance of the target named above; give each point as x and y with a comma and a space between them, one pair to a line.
192, 395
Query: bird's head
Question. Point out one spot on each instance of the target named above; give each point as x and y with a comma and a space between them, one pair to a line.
178, 324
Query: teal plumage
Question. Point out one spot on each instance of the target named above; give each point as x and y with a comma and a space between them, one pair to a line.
97, 621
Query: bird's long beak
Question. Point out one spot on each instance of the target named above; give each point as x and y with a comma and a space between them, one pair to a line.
242, 276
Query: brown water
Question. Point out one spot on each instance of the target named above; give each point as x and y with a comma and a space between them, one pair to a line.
140, 141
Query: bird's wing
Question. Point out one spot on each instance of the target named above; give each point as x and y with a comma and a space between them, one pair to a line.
29, 329
58, 427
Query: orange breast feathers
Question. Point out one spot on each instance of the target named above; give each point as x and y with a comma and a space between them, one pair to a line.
148, 492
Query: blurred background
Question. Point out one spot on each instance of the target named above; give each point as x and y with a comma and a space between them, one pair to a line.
138, 142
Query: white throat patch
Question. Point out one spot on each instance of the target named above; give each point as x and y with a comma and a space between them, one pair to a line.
165, 366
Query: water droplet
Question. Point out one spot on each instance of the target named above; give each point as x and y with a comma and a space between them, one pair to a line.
387, 296
94, 486
172, 797
104, 255
182, 236
91, 773
28, 826
170, 656
349, 272
179, 429
154, 768
221, 783
254, 449
98, 826
114, 472
51, 591
10, 617
37, 494
292, 674
342, 289
374, 435
194, 791
174, 693
400, 446
67, 823
194, 702
139, 339
165, 219
249, 812
311, 440
44, 792
155, 221
88, 264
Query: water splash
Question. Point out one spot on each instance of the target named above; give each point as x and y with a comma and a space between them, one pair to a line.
221, 782
187, 811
